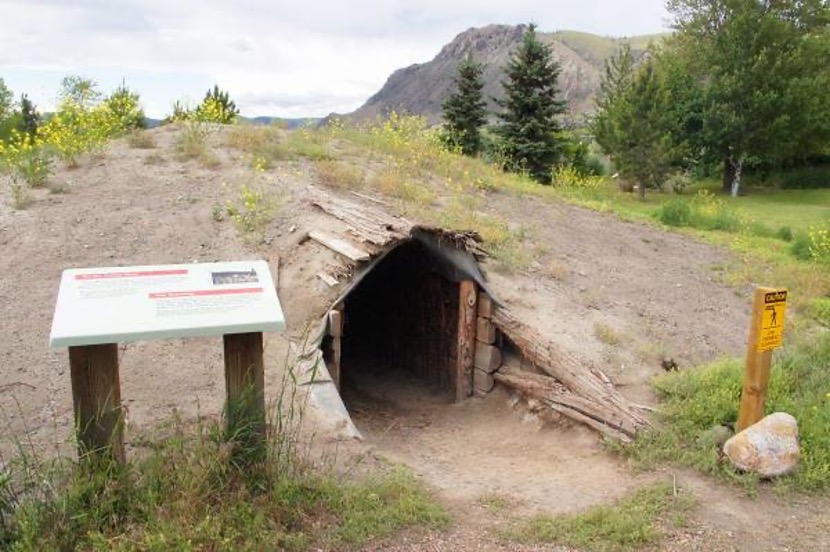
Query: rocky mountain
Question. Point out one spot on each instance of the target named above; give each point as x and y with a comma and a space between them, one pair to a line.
421, 88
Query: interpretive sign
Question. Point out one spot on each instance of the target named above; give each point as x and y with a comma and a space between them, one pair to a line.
97, 308
116, 305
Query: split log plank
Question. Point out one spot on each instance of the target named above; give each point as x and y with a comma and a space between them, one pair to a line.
336, 244
329, 280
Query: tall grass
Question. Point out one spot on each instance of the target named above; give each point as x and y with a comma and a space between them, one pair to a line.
198, 488
696, 401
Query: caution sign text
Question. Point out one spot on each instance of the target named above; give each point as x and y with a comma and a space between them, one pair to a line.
771, 334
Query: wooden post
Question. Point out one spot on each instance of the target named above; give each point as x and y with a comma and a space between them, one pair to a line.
336, 333
466, 339
245, 388
96, 397
757, 370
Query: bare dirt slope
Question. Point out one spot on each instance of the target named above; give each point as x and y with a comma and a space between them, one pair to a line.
593, 276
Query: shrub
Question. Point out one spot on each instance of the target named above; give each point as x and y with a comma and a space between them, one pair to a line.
217, 107
820, 244
675, 212
253, 211
785, 233
678, 182
23, 159
820, 310
800, 247
192, 142
141, 139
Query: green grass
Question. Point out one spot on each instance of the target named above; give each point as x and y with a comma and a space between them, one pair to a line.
598, 48
695, 401
631, 523
798, 209
184, 494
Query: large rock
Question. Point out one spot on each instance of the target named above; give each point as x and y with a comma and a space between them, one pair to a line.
768, 448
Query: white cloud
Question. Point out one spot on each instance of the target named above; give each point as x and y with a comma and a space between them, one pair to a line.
296, 58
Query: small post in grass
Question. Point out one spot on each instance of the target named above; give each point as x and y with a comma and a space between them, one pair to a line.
766, 332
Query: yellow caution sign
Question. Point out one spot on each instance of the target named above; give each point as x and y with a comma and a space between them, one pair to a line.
771, 335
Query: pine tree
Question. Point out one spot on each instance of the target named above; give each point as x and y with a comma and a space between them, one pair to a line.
217, 107
530, 130
465, 109
30, 118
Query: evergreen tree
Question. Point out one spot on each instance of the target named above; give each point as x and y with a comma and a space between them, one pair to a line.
465, 110
530, 130
30, 118
615, 84
124, 105
217, 107
645, 145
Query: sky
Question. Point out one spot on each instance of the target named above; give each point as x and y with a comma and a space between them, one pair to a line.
275, 57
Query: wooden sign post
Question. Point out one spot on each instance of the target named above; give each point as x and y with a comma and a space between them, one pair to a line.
98, 308
766, 332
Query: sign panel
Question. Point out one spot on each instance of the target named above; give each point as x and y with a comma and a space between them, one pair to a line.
771, 335
122, 304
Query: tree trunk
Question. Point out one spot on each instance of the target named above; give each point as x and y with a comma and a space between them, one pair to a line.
728, 174
737, 167
642, 189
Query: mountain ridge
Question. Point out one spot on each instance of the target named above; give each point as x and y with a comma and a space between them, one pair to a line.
420, 88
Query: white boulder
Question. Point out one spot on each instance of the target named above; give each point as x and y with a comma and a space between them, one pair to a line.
768, 448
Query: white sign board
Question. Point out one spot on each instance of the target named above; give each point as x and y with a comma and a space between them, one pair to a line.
122, 304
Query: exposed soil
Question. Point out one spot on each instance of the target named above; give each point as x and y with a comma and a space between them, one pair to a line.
593, 276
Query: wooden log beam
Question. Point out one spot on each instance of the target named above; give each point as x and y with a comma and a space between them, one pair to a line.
585, 382
465, 359
576, 408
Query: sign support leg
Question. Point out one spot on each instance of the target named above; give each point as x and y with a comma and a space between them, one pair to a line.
96, 397
245, 387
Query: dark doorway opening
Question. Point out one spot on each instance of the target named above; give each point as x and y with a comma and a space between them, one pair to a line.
400, 333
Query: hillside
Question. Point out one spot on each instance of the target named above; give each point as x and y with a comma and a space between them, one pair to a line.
420, 88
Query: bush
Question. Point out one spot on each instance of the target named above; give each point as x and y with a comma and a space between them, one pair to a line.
819, 309
704, 211
785, 233
676, 212
820, 244
803, 178
678, 182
